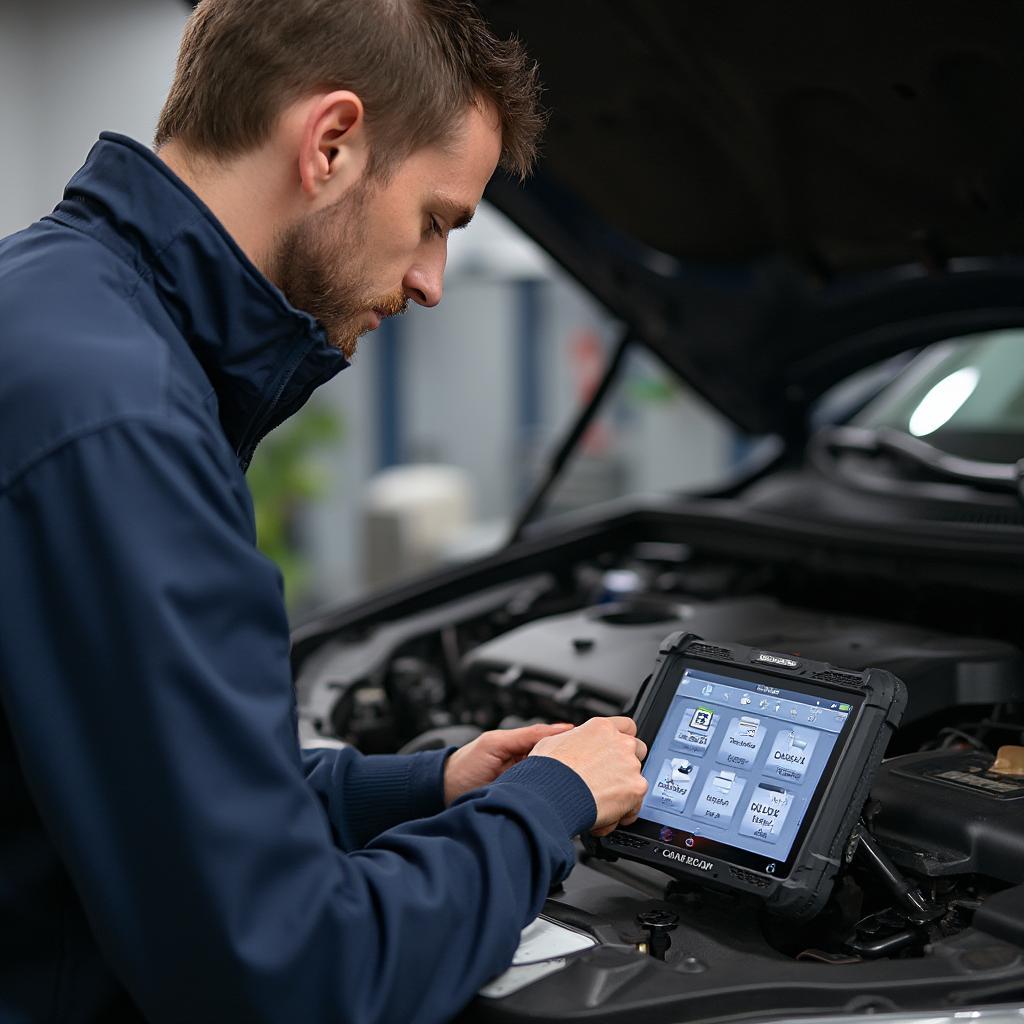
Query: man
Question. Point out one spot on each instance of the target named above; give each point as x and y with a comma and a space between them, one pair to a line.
166, 851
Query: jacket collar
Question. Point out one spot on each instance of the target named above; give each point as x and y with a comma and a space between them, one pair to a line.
263, 356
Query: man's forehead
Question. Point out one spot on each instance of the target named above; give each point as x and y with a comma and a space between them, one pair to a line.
463, 162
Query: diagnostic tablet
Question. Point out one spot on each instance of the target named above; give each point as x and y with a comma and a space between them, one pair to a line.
758, 767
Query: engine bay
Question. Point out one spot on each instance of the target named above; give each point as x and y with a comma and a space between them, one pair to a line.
928, 908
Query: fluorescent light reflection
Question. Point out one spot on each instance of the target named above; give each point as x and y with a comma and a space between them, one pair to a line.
941, 403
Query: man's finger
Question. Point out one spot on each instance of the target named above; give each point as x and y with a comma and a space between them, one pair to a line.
535, 733
525, 738
551, 728
623, 724
641, 750
630, 817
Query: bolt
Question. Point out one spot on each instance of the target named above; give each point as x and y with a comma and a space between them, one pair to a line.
658, 924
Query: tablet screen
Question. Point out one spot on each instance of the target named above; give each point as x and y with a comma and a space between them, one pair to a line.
738, 764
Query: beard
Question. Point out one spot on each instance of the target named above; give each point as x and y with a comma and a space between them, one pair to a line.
316, 264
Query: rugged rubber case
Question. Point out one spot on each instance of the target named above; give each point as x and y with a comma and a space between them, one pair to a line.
805, 891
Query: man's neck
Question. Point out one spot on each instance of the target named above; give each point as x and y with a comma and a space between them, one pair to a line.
237, 195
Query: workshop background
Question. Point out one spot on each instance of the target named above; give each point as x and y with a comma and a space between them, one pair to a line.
423, 450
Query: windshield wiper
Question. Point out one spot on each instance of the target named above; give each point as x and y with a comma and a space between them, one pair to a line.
1000, 476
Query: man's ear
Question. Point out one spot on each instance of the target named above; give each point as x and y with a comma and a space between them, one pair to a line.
333, 151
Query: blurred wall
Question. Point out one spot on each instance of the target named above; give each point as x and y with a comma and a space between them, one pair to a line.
69, 70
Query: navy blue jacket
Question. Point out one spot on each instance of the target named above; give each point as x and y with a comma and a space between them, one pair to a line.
166, 850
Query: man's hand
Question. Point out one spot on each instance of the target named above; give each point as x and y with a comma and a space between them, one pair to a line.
482, 761
606, 754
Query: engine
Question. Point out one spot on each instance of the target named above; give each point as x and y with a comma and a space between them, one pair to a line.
943, 835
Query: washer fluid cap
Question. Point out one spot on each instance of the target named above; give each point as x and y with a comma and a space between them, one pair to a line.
1009, 761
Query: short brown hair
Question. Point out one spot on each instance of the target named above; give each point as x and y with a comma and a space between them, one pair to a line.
417, 65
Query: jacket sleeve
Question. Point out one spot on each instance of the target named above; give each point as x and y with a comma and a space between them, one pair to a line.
144, 671
364, 795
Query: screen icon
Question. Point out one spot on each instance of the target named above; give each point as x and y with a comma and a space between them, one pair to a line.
675, 780
745, 699
696, 729
742, 741
765, 704
791, 753
707, 690
719, 798
766, 813
701, 719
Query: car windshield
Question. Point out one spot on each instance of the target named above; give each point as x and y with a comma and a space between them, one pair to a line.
964, 396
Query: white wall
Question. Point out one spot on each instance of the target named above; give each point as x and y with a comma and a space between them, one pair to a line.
15, 116
459, 373
69, 70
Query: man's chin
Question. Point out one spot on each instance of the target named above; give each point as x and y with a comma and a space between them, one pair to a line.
346, 339
348, 346
346, 333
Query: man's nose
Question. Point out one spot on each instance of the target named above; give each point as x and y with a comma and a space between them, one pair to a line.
424, 283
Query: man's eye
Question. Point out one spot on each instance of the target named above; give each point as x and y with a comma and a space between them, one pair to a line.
435, 228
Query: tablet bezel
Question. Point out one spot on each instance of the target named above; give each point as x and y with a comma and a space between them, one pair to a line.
693, 845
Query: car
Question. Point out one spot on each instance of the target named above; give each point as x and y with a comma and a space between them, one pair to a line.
812, 214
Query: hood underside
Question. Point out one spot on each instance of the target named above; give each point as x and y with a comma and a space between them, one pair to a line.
774, 195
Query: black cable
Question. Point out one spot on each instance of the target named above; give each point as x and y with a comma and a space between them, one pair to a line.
953, 733
944, 737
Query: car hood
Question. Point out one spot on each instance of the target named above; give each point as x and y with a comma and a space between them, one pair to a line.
773, 196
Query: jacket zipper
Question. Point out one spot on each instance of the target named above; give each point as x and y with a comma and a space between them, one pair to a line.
260, 429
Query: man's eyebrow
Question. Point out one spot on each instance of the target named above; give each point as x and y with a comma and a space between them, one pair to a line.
457, 215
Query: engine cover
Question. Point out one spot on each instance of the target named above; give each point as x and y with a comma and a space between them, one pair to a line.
593, 661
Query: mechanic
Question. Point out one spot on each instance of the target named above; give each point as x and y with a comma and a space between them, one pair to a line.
167, 852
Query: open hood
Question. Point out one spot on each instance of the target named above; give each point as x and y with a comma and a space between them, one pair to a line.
772, 196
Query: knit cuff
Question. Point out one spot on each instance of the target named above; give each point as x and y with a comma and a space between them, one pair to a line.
560, 786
